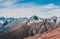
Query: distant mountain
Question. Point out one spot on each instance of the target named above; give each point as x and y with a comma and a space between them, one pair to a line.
2, 18
41, 27
10, 19
34, 17
20, 28
12, 24
54, 18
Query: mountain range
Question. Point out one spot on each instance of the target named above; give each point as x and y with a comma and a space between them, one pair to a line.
19, 28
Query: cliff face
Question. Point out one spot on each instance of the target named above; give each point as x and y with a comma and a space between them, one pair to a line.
22, 29
54, 34
18, 32
41, 27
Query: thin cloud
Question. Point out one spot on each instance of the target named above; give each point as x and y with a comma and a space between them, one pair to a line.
27, 10
35, 10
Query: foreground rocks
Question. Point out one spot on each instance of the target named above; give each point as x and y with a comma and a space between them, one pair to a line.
54, 34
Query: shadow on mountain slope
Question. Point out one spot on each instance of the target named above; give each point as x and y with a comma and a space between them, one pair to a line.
23, 30
16, 33
54, 34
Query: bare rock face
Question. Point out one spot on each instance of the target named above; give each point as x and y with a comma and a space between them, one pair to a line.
22, 30
54, 34
18, 32
41, 27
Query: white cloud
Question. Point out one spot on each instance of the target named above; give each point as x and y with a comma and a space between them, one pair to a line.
41, 11
8, 3
1, 1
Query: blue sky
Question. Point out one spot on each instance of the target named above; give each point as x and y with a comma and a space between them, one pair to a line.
22, 8
39, 2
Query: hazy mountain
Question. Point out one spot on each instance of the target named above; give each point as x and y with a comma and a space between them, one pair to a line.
54, 18
2, 18
34, 17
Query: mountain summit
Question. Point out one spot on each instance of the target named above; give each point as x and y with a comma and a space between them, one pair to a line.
34, 17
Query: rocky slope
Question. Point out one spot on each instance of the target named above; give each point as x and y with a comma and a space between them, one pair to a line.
21, 29
54, 34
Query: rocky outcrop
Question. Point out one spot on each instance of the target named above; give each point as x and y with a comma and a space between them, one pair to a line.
22, 29
54, 34
19, 32
41, 27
